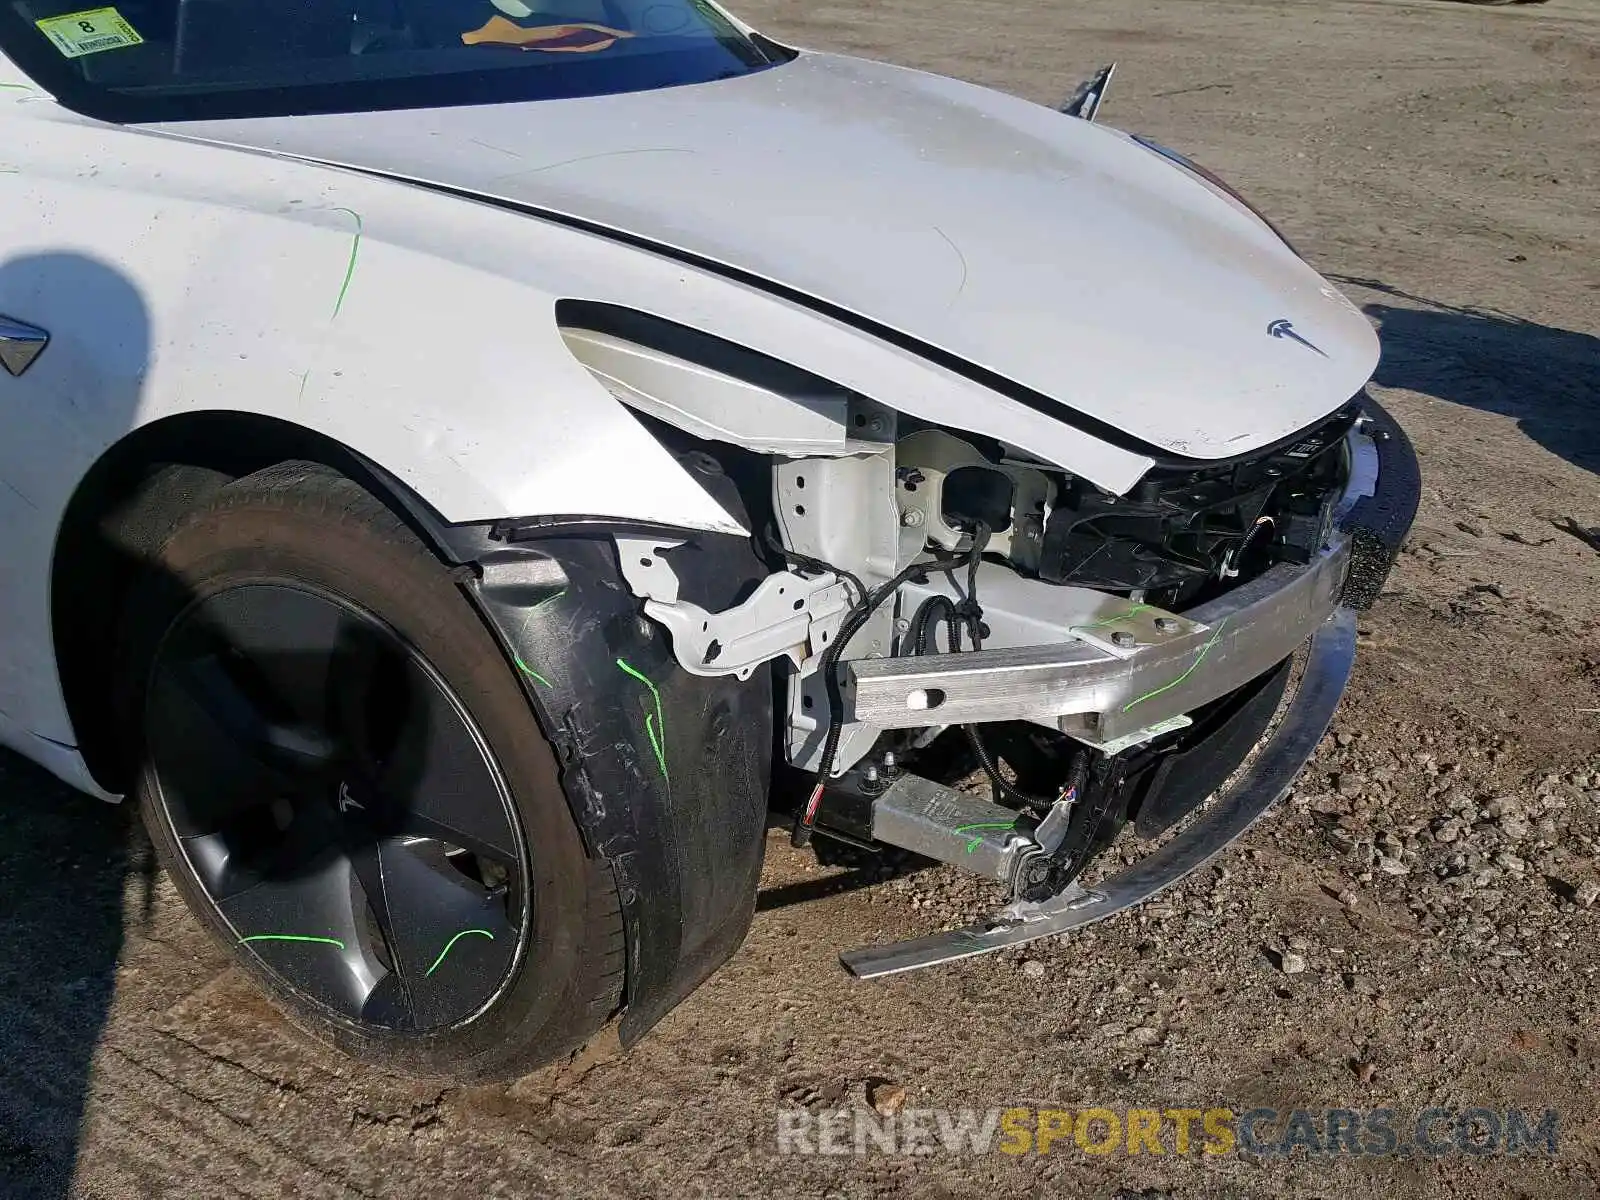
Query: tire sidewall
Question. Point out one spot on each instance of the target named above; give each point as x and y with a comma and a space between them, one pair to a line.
389, 574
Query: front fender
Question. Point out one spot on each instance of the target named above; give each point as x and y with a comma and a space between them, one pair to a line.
178, 278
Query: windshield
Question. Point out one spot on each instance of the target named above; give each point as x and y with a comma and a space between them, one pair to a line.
166, 60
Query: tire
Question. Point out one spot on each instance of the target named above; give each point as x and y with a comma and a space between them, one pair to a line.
416, 723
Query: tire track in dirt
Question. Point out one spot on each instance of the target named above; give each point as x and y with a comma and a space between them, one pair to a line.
155, 1091
254, 1163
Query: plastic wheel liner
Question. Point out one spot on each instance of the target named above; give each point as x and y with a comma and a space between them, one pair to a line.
666, 773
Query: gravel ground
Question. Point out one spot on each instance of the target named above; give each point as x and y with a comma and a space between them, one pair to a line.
1416, 926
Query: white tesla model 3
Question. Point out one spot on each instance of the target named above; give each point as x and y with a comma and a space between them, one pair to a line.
462, 460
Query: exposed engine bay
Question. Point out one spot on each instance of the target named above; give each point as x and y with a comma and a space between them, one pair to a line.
942, 604
1179, 537
1100, 627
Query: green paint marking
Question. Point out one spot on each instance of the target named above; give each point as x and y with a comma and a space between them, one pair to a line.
517, 658
548, 600
291, 937
527, 670
656, 730
350, 268
1123, 616
978, 841
1204, 650
15, 87
452, 942
655, 743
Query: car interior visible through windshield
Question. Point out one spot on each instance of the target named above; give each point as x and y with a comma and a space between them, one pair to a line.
170, 50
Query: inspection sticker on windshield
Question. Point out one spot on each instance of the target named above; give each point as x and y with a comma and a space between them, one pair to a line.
80, 33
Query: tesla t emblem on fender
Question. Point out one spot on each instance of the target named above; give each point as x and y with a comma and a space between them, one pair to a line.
1284, 329
20, 344
346, 800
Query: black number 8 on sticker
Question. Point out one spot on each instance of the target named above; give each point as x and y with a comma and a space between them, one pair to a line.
93, 32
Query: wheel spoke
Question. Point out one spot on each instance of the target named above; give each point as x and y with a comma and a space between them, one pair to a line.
422, 899
306, 929
421, 902
367, 861
437, 783
389, 1004
258, 847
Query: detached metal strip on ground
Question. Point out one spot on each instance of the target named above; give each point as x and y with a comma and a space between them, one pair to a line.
1331, 656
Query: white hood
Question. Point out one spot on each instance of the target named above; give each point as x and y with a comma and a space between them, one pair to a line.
1055, 253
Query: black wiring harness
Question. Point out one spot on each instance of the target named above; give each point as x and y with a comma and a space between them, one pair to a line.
966, 617
858, 616
963, 618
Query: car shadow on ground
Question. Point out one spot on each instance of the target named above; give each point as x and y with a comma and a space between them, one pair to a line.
67, 860
1546, 379
66, 863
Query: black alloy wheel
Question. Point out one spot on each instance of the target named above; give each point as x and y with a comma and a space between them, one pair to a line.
345, 776
338, 806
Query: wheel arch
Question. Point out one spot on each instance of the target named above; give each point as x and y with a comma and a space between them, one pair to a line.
686, 851
123, 509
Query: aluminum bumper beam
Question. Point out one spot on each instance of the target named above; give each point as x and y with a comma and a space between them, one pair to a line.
1232, 811
1096, 697
1100, 697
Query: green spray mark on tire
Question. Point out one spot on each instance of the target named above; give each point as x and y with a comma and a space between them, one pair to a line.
1204, 650
291, 937
656, 730
978, 841
452, 942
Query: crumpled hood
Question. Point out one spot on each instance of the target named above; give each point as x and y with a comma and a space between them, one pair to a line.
1055, 253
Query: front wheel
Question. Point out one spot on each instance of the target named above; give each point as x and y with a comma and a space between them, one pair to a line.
344, 779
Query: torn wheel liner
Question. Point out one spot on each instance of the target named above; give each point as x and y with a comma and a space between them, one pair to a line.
666, 772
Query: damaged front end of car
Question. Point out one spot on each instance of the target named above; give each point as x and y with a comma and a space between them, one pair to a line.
1105, 661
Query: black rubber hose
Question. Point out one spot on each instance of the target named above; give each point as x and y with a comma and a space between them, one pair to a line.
923, 619
853, 621
970, 614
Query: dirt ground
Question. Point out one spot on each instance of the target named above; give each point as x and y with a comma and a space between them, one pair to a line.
1440, 160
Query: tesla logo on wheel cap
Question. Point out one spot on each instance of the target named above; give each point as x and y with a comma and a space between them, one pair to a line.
1282, 328
346, 800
